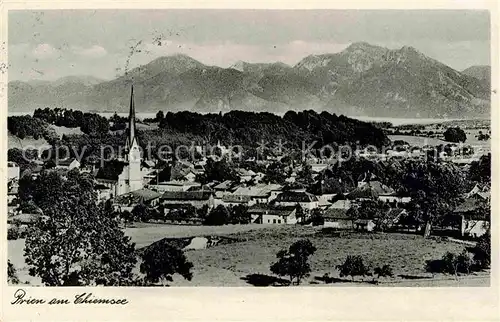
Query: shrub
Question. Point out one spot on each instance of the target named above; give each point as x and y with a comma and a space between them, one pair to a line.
464, 263
383, 271
218, 216
11, 274
482, 251
451, 263
353, 266
12, 233
160, 262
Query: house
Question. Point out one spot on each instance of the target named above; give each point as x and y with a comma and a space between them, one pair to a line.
372, 190
197, 199
475, 217
259, 194
325, 199
479, 192
342, 204
337, 218
264, 214
12, 191
190, 176
364, 224
68, 164
23, 220
233, 200
129, 200
103, 192
13, 171
245, 175
174, 185
318, 167
293, 198
224, 186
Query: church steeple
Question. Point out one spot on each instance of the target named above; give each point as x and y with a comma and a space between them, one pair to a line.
131, 120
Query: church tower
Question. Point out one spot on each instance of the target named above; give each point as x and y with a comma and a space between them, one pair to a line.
133, 151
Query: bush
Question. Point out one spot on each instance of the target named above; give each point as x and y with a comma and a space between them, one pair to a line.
482, 251
11, 274
383, 271
13, 233
218, 216
451, 263
160, 262
353, 266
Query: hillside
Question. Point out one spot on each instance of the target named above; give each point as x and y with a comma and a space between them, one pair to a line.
481, 72
361, 80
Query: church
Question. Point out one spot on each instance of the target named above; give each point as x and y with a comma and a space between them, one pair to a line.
124, 174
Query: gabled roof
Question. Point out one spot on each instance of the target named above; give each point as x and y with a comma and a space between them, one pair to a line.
372, 189
66, 162
236, 198
258, 191
186, 195
296, 196
137, 196
336, 213
148, 163
24, 218
224, 185
470, 205
100, 186
271, 210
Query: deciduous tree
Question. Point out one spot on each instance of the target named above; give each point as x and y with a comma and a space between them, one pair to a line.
294, 262
76, 242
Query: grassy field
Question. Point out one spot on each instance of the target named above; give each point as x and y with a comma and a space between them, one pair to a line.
228, 265
61, 130
28, 142
237, 264
143, 234
419, 141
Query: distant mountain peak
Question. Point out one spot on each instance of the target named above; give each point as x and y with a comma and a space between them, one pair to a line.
362, 79
481, 72
239, 65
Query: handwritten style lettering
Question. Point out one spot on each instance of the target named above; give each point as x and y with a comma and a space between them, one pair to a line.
88, 298
21, 298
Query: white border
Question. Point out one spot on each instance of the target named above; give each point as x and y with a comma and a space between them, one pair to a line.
270, 304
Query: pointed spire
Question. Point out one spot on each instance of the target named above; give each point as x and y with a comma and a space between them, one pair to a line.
131, 119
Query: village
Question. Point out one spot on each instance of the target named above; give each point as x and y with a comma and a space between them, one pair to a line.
361, 192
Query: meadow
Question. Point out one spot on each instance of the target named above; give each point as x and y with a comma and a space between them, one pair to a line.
238, 263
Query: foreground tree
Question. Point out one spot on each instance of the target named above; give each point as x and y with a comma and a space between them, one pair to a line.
11, 274
294, 262
430, 202
353, 266
455, 134
160, 262
77, 242
218, 216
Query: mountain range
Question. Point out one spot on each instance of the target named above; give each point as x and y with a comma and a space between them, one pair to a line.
363, 80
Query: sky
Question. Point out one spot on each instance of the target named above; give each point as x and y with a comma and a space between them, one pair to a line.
51, 44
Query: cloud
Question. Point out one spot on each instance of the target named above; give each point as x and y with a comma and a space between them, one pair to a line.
44, 51
92, 52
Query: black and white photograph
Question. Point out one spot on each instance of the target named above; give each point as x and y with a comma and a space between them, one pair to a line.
248, 148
